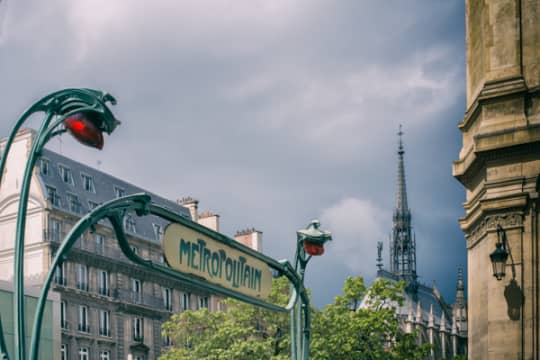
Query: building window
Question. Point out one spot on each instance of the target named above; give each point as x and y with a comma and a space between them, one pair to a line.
74, 203
63, 322
105, 355
92, 205
88, 183
84, 354
60, 276
104, 323
158, 232
167, 299
129, 224
44, 166
135, 249
186, 305
119, 192
64, 352
83, 319
136, 290
65, 174
103, 283
138, 329
100, 244
55, 230
166, 340
53, 196
82, 277
203, 302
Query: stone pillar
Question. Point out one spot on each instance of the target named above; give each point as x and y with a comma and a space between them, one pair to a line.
442, 335
499, 166
454, 336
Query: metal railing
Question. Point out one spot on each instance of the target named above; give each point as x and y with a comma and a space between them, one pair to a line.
82, 285
132, 297
104, 291
85, 328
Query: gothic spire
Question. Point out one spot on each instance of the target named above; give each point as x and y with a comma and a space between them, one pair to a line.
403, 252
401, 195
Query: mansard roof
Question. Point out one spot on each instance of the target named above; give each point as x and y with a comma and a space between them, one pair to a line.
104, 185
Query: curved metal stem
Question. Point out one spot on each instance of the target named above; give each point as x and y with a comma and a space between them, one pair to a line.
18, 268
114, 210
64, 102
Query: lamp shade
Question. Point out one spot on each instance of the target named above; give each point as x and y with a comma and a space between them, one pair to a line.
498, 260
83, 128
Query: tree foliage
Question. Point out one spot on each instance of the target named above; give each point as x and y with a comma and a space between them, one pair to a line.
245, 332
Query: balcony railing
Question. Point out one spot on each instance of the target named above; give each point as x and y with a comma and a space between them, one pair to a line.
60, 280
138, 338
85, 328
105, 332
53, 235
82, 285
131, 297
104, 291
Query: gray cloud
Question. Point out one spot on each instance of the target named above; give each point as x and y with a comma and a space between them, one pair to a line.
271, 113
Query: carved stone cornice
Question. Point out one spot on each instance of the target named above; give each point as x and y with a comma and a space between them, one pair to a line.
510, 220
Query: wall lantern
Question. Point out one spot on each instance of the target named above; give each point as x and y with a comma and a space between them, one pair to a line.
313, 238
500, 254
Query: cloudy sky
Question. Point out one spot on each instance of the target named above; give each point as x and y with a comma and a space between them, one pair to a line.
271, 113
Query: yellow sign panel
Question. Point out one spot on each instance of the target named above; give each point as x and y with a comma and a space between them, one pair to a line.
192, 252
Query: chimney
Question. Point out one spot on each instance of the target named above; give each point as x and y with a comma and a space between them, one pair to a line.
210, 220
250, 237
192, 205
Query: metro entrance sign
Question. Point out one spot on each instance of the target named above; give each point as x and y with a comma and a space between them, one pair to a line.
192, 252
196, 255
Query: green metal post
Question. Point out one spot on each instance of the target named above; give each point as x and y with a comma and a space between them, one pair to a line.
18, 272
302, 321
115, 210
60, 104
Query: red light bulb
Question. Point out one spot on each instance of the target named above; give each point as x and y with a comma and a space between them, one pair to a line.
314, 249
84, 130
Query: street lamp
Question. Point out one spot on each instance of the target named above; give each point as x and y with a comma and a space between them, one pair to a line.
313, 238
309, 242
84, 114
500, 254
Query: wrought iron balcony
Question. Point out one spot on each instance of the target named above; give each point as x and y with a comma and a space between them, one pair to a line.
104, 291
105, 332
60, 280
82, 285
138, 338
85, 328
131, 297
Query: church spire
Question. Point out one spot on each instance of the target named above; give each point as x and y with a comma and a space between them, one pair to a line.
401, 194
403, 252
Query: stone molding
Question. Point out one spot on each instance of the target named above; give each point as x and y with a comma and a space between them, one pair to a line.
489, 223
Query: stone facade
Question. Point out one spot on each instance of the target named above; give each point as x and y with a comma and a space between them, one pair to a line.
499, 166
110, 308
